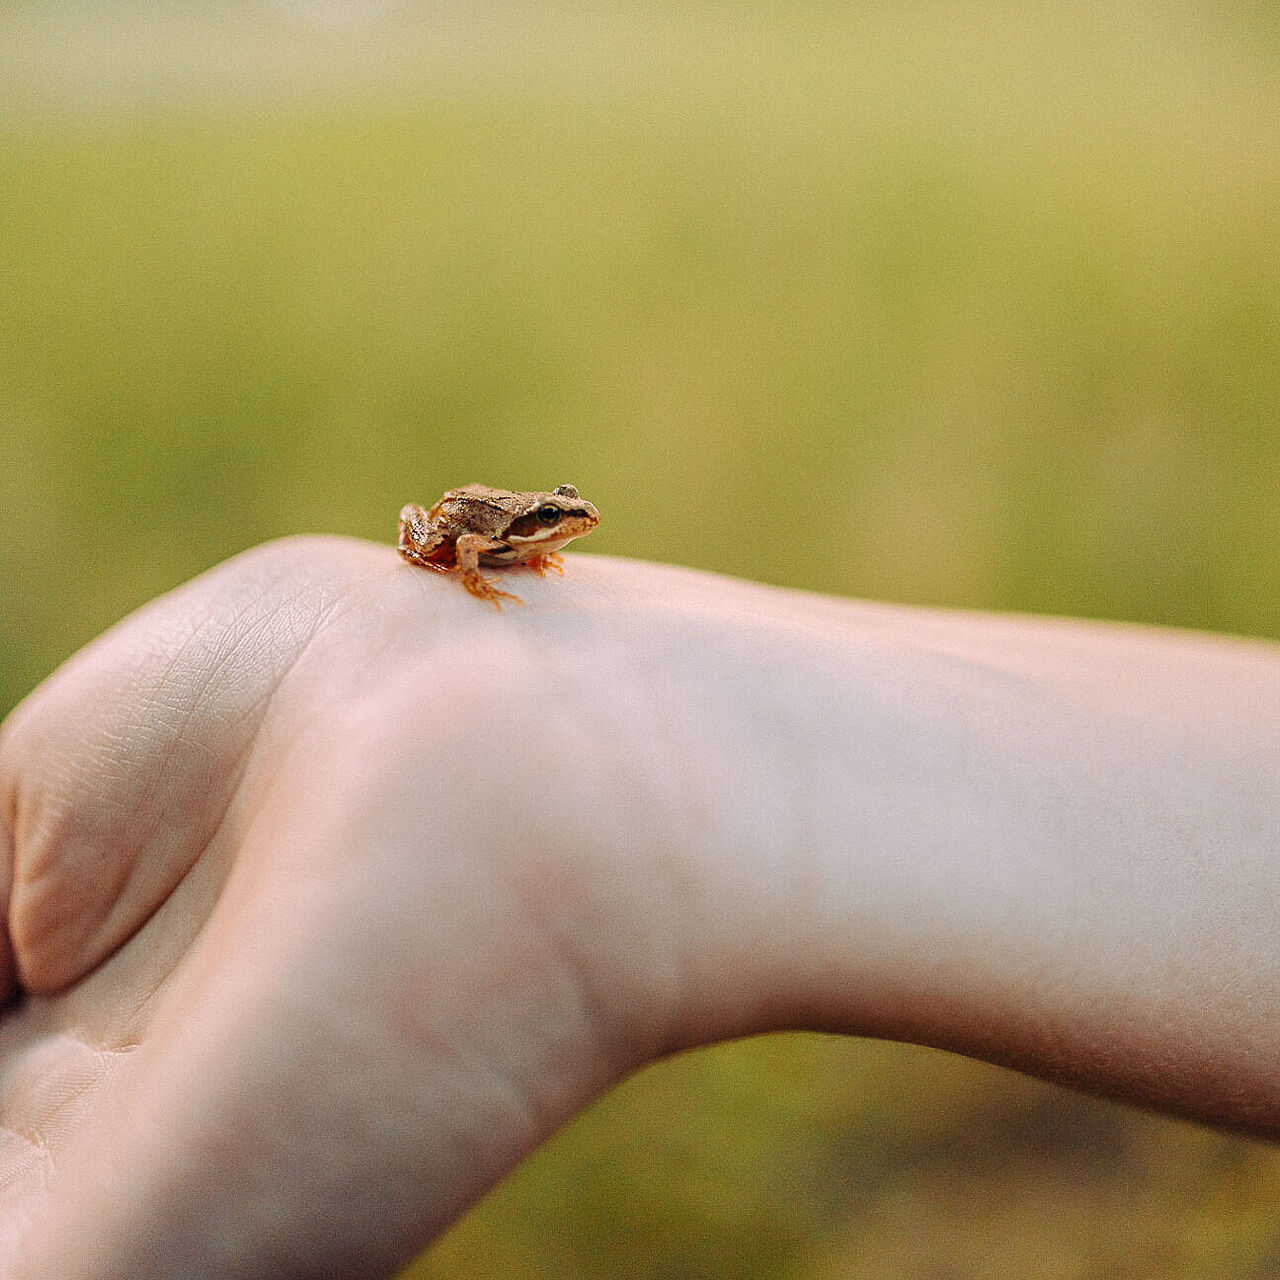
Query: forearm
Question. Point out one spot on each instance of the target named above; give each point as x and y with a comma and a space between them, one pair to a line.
1050, 844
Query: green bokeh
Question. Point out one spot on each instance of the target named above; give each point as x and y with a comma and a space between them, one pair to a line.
969, 306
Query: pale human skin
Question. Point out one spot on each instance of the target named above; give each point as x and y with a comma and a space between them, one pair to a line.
333, 891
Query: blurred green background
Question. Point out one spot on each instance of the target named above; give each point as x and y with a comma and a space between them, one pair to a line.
967, 305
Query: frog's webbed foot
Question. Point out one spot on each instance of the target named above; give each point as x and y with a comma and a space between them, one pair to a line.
416, 541
540, 564
485, 589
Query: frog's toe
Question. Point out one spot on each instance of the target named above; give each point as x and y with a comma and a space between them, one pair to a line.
540, 564
485, 589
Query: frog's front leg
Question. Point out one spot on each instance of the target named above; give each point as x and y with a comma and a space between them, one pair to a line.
417, 541
469, 548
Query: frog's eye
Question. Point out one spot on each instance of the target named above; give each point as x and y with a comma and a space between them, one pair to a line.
549, 514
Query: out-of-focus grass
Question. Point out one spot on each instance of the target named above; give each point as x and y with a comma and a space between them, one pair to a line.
966, 306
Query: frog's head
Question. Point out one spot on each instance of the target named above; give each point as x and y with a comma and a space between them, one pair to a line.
550, 521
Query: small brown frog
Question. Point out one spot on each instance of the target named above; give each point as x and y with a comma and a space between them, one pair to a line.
477, 525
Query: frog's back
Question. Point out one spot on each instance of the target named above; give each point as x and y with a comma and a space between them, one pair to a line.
475, 508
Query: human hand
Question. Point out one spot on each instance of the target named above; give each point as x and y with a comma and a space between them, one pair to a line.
334, 892
306, 923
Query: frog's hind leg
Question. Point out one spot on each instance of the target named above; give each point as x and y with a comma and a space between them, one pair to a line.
416, 541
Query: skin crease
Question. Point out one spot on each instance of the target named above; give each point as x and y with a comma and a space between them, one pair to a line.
332, 892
